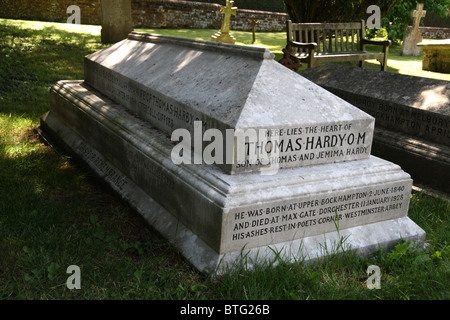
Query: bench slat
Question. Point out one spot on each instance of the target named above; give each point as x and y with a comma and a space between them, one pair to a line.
330, 39
353, 40
347, 46
359, 39
318, 37
336, 47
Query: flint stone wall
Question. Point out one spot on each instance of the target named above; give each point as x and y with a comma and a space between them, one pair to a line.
146, 14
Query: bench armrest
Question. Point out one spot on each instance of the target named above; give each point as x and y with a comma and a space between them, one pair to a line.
386, 43
311, 45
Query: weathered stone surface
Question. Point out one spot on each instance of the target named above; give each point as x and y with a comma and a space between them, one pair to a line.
415, 111
413, 37
433, 32
116, 20
436, 55
426, 161
119, 122
413, 105
219, 213
171, 82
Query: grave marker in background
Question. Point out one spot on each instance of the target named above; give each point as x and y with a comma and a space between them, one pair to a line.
224, 34
409, 46
116, 20
436, 55
253, 23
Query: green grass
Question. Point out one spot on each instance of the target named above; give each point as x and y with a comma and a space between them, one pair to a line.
54, 213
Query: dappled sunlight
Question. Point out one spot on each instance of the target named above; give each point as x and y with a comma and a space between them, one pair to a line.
187, 59
411, 67
435, 99
412, 144
274, 41
40, 25
15, 137
55, 212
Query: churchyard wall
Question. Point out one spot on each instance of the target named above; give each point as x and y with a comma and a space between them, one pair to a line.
146, 13
50, 10
433, 32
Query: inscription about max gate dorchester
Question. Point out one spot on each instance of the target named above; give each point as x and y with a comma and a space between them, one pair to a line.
317, 214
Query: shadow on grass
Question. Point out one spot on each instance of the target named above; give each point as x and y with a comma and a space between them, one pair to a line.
54, 213
34, 59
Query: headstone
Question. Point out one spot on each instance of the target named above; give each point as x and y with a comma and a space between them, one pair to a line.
412, 116
436, 55
409, 46
253, 23
224, 34
116, 20
323, 183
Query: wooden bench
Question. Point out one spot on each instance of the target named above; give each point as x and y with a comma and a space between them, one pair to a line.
317, 43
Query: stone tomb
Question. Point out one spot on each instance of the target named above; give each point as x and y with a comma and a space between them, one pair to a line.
436, 55
412, 116
325, 184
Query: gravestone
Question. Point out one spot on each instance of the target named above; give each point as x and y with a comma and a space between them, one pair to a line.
253, 23
412, 38
116, 20
224, 34
412, 116
436, 55
303, 181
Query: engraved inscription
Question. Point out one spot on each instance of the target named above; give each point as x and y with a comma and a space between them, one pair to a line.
432, 125
316, 215
310, 145
109, 173
164, 113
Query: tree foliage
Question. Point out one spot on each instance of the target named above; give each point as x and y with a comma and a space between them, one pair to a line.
399, 16
304, 11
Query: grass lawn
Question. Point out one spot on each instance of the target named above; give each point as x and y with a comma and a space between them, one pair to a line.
54, 213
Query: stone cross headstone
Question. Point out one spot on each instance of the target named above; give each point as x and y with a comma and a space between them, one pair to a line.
224, 34
409, 47
116, 20
253, 23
